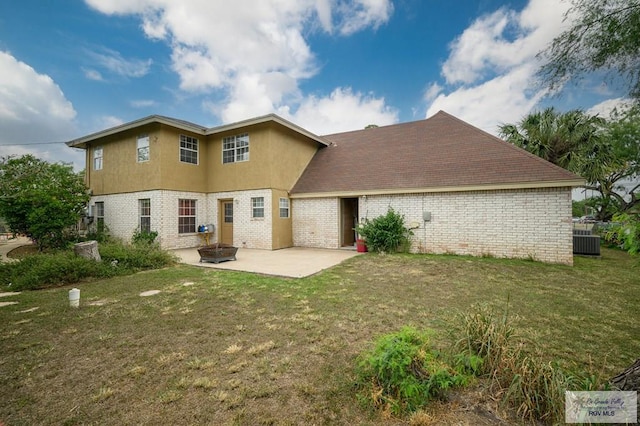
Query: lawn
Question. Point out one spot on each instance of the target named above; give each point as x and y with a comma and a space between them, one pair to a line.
220, 347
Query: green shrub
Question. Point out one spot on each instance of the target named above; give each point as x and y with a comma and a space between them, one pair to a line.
144, 237
65, 267
100, 233
403, 372
386, 233
626, 232
50, 270
139, 256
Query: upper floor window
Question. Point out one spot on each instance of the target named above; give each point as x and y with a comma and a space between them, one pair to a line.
257, 207
188, 149
284, 208
143, 148
235, 148
97, 158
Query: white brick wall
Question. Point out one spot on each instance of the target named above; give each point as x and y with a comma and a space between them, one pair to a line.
248, 232
533, 223
168, 213
316, 222
121, 216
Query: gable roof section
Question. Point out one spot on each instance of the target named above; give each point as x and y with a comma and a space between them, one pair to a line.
441, 153
194, 128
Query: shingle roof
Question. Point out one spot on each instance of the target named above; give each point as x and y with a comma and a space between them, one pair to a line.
438, 153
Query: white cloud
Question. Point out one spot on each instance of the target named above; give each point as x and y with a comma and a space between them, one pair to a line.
605, 108
432, 92
490, 72
359, 14
92, 74
494, 102
342, 111
502, 40
143, 103
108, 121
33, 109
114, 62
251, 55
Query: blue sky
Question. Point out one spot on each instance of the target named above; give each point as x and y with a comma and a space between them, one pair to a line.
75, 67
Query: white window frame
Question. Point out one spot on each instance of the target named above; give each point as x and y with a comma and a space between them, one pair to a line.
285, 207
182, 215
98, 154
144, 212
142, 148
99, 212
235, 149
188, 146
257, 207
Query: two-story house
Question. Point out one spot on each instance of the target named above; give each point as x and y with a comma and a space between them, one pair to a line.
268, 183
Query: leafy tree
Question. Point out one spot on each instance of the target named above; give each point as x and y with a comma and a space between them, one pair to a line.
612, 166
604, 35
40, 199
583, 207
556, 137
605, 153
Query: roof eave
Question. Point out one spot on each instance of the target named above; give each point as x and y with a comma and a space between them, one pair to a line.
425, 190
179, 124
265, 119
83, 141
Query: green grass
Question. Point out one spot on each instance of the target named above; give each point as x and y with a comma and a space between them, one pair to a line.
239, 348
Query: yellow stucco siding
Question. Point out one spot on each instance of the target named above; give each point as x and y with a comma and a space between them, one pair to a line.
277, 158
121, 171
282, 231
175, 174
243, 175
289, 155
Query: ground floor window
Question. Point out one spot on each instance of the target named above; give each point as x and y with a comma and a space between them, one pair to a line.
99, 207
284, 208
144, 208
257, 207
186, 216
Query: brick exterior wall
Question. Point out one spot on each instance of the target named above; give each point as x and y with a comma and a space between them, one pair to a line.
121, 216
316, 222
248, 232
532, 223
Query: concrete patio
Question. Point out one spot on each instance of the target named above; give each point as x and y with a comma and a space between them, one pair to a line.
294, 262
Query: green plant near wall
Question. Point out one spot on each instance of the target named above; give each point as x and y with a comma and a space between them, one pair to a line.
143, 237
403, 372
626, 232
387, 233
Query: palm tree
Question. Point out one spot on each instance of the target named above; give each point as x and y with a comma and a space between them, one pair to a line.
556, 137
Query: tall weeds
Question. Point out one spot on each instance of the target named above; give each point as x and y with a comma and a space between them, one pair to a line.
518, 374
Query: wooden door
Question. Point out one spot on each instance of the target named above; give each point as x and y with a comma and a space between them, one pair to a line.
349, 219
226, 222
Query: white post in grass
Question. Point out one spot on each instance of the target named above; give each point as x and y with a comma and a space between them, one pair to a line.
74, 298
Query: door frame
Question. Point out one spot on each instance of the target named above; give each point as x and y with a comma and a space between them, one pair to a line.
221, 222
348, 205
